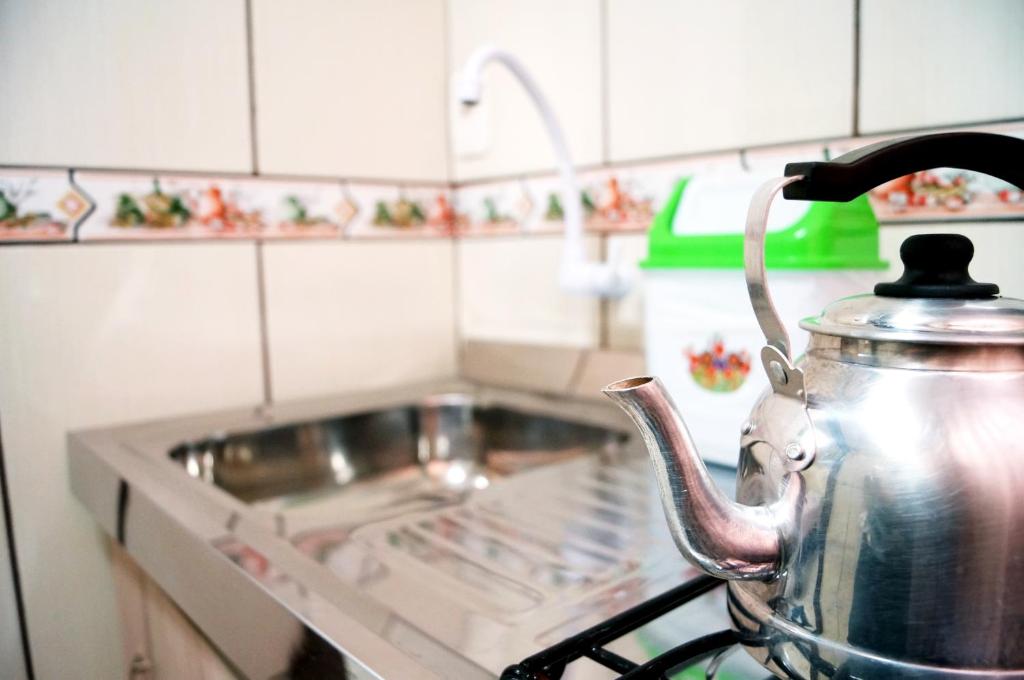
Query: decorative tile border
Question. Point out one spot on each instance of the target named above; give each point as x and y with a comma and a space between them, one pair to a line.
57, 205
136, 206
944, 194
40, 206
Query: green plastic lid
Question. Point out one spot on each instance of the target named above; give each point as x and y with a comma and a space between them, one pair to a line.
828, 236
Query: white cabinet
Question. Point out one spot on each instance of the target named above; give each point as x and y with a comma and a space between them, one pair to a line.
940, 62
696, 76
119, 83
353, 88
560, 43
159, 641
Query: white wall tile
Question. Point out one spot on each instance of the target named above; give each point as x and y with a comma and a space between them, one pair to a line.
359, 315
695, 76
940, 62
559, 42
601, 367
508, 291
96, 335
536, 368
353, 88
118, 83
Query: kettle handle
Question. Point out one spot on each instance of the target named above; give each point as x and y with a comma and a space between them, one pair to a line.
861, 170
846, 178
754, 269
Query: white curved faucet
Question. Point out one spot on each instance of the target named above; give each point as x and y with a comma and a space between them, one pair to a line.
578, 274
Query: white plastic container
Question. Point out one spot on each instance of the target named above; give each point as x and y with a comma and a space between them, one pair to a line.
701, 337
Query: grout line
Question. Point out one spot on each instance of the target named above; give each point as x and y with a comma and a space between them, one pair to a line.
855, 119
144, 590
946, 127
496, 179
235, 174
698, 155
457, 306
250, 60
261, 299
972, 220
606, 142
604, 308
12, 554
80, 220
449, 149
577, 372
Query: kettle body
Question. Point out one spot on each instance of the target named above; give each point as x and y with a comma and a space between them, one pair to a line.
907, 554
878, 526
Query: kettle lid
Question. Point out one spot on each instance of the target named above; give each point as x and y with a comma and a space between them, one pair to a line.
935, 301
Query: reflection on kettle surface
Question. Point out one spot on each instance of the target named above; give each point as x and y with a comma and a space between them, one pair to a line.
879, 525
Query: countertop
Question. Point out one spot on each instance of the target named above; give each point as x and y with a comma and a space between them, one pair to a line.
455, 589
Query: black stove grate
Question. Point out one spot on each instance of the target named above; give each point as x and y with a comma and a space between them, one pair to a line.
550, 664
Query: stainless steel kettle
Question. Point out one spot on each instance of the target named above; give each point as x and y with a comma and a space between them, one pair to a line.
878, 530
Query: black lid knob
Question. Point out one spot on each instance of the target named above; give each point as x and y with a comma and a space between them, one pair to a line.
935, 266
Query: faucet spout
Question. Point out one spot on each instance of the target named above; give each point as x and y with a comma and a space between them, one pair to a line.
721, 537
578, 274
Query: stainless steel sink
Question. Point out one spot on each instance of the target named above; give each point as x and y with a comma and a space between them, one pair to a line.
440, 530
450, 443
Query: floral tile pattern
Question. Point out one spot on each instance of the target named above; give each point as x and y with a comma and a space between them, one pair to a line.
621, 204
40, 206
184, 207
946, 194
397, 212
57, 205
493, 208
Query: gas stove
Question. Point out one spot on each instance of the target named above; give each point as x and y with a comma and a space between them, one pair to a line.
704, 656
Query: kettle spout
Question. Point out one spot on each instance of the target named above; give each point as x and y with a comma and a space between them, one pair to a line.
721, 537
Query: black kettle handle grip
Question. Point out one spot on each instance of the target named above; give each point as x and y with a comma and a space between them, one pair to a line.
861, 170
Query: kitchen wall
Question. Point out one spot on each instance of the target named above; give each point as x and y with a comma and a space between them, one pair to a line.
654, 90
238, 106
105, 330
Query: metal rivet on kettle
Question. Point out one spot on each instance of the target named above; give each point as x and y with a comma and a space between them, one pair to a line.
795, 452
747, 428
777, 373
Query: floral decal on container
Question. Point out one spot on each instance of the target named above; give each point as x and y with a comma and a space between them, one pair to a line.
717, 369
40, 207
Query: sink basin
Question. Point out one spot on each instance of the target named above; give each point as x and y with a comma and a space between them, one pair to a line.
443, 444
440, 530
